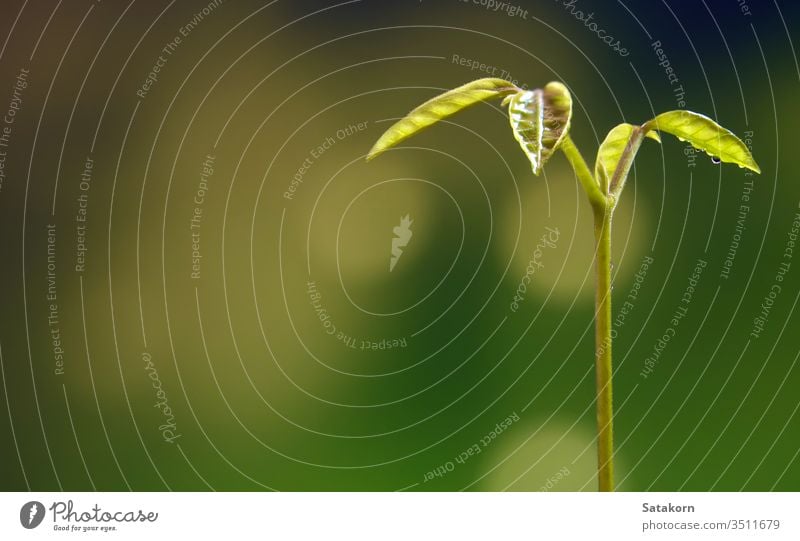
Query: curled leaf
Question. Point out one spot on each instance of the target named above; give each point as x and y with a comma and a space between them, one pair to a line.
612, 148
540, 120
440, 107
706, 135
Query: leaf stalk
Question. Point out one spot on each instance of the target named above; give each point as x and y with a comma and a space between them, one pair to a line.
587, 180
626, 161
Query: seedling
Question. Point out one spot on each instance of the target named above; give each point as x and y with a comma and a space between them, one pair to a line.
540, 121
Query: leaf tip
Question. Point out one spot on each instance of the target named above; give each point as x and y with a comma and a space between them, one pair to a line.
376, 150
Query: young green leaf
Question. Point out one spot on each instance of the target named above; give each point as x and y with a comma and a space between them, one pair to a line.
611, 150
706, 135
540, 119
440, 107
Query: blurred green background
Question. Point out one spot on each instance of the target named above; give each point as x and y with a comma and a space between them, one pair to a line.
474, 395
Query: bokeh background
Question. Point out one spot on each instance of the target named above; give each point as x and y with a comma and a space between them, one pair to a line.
134, 373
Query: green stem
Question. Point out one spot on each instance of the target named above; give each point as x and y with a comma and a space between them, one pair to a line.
596, 197
603, 208
603, 366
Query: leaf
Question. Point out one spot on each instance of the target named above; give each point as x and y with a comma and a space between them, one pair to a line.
540, 119
440, 107
706, 135
610, 151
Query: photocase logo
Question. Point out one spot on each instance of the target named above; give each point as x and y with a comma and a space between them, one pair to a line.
402, 236
31, 514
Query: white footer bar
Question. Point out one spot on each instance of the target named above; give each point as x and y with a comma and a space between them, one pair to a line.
390, 516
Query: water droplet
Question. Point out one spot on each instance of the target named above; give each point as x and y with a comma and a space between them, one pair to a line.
715, 160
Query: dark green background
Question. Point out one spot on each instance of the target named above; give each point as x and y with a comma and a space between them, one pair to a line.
262, 397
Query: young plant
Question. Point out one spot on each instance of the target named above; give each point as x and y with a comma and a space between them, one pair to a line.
540, 121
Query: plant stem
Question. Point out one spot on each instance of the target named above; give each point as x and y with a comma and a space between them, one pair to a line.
596, 197
603, 208
603, 366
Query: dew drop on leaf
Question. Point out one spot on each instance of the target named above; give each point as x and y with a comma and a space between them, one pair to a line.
715, 160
